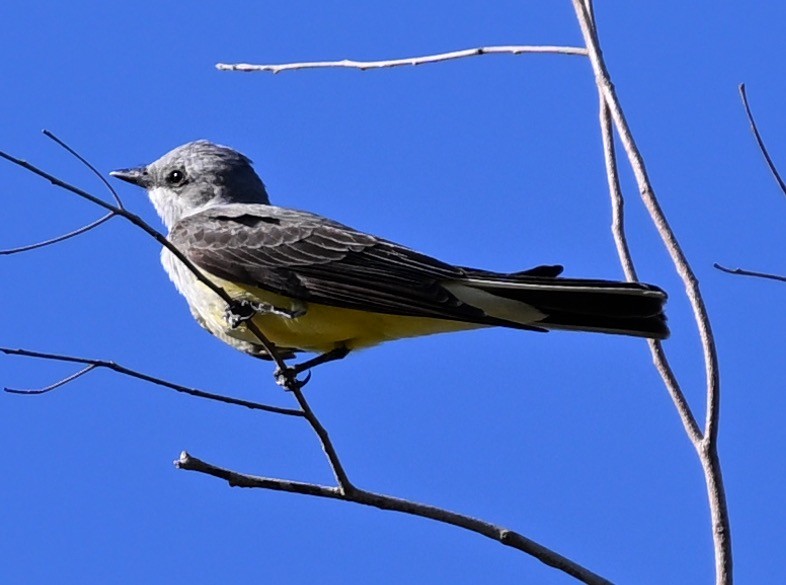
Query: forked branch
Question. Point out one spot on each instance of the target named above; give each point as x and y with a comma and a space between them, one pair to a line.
704, 442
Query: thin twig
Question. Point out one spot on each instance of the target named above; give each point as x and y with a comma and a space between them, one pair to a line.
615, 191
384, 502
759, 140
82, 229
743, 272
85, 162
94, 364
706, 447
363, 65
58, 239
53, 386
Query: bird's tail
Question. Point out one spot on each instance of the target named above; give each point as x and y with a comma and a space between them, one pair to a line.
622, 308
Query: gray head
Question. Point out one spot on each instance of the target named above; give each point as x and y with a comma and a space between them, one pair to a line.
194, 176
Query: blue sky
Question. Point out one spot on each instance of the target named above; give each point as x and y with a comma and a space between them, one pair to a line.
494, 162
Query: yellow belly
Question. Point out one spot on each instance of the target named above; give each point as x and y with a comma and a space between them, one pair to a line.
323, 327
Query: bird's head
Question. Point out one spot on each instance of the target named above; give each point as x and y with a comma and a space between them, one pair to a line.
194, 176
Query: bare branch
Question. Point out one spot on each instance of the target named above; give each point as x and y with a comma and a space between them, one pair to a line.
363, 65
94, 364
659, 219
674, 389
384, 502
626, 260
58, 239
706, 445
744, 272
759, 140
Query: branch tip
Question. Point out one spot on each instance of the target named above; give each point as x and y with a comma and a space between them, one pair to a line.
183, 461
760, 140
704, 443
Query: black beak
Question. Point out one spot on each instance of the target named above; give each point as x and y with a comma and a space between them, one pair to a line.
136, 176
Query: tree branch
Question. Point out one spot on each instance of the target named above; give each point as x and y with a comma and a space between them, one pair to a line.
363, 65
93, 364
383, 502
743, 272
659, 358
706, 444
58, 239
344, 484
345, 490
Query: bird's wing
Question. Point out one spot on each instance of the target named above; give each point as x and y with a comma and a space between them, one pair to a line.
308, 257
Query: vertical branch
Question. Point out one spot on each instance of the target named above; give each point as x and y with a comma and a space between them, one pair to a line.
706, 443
610, 159
626, 260
603, 80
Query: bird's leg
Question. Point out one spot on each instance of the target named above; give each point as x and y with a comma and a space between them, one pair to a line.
285, 375
239, 312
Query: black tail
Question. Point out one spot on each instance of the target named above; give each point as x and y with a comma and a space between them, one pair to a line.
624, 308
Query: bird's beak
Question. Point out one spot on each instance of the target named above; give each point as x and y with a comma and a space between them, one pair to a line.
136, 176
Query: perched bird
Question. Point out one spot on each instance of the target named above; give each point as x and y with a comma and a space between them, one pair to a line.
312, 284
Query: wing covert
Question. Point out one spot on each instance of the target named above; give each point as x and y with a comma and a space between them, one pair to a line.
308, 257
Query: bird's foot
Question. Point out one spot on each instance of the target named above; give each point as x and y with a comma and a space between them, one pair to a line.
238, 312
288, 378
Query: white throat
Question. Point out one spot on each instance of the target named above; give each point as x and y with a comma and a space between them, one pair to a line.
170, 207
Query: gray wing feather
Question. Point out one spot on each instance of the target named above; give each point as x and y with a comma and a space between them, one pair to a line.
308, 257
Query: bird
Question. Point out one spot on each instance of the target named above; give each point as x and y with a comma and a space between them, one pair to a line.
312, 284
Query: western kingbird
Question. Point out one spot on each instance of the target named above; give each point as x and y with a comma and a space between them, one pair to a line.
312, 284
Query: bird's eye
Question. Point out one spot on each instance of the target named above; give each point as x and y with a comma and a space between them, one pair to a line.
176, 178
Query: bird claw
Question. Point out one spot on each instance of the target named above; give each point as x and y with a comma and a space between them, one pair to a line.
287, 378
238, 312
